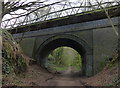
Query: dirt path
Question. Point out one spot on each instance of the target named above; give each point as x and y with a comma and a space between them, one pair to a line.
39, 77
68, 71
65, 79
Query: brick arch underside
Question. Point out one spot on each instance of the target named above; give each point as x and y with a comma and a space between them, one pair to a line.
64, 40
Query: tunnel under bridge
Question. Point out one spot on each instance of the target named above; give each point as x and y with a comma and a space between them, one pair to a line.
90, 35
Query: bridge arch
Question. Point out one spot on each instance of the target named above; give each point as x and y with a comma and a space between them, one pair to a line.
70, 41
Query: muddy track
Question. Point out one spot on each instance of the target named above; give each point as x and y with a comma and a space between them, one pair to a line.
36, 76
66, 78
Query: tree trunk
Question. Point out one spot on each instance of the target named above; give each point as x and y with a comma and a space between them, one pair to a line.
0, 45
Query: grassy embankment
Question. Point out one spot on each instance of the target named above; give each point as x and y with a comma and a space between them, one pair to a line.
12, 56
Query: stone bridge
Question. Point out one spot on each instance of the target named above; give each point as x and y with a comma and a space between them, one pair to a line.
89, 34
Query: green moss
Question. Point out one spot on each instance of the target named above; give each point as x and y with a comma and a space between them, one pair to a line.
13, 59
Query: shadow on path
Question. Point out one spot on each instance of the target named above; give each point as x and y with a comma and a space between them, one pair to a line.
66, 78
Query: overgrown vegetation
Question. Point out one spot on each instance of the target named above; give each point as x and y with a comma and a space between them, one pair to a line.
116, 82
112, 62
12, 56
77, 62
63, 57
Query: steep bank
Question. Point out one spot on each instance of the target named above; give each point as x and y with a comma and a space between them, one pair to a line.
14, 61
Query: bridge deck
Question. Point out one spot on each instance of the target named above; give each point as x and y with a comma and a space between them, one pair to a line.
72, 19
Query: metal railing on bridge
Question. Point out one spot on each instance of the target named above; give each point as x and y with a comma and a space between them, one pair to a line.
47, 11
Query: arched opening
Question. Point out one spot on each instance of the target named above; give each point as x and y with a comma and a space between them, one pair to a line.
47, 48
64, 61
